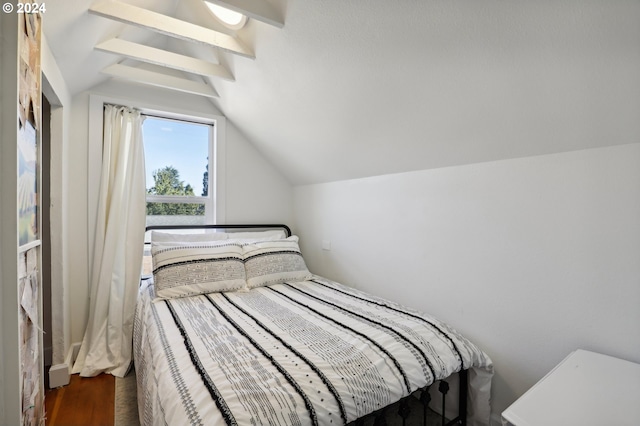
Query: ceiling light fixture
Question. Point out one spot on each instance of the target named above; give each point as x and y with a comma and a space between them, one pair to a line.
230, 18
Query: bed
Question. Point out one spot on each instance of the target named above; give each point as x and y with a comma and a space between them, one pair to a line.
277, 345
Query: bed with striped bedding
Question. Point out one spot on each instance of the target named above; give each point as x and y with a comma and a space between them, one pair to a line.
313, 352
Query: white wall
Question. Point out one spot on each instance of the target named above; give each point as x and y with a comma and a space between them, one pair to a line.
76, 238
256, 191
248, 177
531, 258
9, 327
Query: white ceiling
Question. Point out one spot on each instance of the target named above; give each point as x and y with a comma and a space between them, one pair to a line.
348, 89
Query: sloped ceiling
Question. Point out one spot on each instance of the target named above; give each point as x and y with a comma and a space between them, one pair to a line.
348, 89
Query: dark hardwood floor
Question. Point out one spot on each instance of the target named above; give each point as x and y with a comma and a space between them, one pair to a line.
85, 401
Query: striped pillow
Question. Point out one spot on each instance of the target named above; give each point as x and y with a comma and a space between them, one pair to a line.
188, 269
272, 262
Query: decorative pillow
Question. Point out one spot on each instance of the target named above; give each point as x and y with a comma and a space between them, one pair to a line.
171, 237
272, 262
188, 269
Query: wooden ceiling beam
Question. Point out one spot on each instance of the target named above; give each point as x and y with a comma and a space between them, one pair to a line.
137, 16
259, 10
156, 79
163, 58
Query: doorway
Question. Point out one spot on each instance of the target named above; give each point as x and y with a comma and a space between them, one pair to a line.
46, 236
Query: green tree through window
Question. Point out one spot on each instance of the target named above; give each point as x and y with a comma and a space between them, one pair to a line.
205, 181
167, 182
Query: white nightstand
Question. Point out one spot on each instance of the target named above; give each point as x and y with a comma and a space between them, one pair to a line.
586, 388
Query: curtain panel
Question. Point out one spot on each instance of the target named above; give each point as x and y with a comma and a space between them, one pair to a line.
118, 250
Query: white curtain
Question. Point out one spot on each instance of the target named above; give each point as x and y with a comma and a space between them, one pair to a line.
118, 249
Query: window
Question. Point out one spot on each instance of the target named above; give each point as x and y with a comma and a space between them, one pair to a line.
179, 172
230, 18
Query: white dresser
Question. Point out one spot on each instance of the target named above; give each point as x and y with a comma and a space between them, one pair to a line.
585, 389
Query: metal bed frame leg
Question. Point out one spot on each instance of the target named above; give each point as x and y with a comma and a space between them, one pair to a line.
404, 411
462, 397
463, 390
443, 388
425, 399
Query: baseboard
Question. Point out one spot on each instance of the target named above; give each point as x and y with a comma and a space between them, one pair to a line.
59, 376
72, 355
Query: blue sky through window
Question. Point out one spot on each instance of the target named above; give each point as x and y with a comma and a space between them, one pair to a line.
185, 146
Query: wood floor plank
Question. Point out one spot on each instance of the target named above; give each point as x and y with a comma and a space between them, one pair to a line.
52, 401
85, 401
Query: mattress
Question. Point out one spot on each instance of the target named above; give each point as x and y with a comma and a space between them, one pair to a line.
301, 353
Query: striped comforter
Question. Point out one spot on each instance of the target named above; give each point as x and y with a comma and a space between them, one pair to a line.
304, 353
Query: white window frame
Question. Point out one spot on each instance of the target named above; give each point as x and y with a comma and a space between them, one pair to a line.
209, 201
217, 180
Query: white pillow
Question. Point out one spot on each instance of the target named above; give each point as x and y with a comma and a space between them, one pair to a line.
167, 237
188, 269
272, 262
257, 236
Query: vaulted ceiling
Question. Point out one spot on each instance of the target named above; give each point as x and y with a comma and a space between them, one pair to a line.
334, 89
